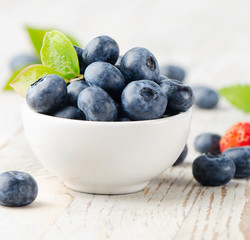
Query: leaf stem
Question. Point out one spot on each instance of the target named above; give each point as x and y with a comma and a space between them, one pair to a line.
75, 79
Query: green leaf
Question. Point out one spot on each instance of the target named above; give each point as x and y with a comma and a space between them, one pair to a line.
7, 86
73, 40
58, 53
29, 75
14, 74
238, 95
37, 35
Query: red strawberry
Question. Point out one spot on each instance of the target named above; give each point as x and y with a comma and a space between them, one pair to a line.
236, 136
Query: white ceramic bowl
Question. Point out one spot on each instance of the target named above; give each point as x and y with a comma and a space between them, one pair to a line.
106, 157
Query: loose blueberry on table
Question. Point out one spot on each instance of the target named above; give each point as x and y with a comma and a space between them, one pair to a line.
213, 169
17, 189
205, 97
241, 158
207, 142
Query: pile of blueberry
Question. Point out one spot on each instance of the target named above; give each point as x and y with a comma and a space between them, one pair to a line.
215, 168
114, 88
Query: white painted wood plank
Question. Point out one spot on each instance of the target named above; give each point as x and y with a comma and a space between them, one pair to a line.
30, 222
217, 213
10, 116
155, 213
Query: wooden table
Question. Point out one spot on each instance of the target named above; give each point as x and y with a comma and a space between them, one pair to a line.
172, 206
211, 39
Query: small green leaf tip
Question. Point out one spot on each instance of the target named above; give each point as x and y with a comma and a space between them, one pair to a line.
238, 95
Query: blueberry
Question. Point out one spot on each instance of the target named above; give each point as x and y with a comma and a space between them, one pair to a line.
207, 142
124, 119
205, 97
47, 94
120, 111
22, 61
97, 105
107, 77
182, 156
143, 100
213, 169
180, 96
162, 77
74, 88
17, 189
241, 158
173, 72
118, 62
82, 64
138, 64
103, 49
70, 113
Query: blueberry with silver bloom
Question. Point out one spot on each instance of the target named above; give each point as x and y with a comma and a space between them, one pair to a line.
103, 49
205, 97
17, 189
173, 72
82, 65
97, 105
180, 96
213, 169
241, 158
138, 64
74, 88
107, 77
69, 112
47, 94
143, 100
207, 142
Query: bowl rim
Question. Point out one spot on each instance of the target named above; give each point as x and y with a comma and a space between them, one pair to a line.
42, 116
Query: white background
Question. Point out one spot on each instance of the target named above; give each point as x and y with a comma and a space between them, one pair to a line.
210, 38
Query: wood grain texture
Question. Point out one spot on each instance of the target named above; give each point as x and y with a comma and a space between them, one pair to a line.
10, 116
155, 213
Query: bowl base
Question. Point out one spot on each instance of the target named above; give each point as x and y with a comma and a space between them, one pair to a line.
107, 190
